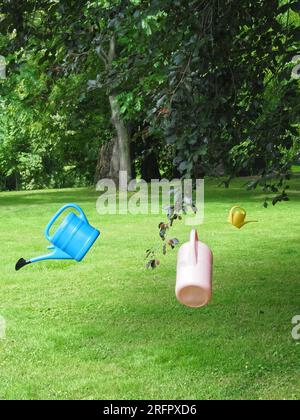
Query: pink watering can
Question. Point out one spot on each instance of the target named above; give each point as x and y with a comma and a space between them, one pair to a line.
194, 273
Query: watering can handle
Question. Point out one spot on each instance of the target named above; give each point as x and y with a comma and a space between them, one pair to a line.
54, 218
194, 239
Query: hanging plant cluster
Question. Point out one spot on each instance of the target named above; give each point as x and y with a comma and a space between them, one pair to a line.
174, 212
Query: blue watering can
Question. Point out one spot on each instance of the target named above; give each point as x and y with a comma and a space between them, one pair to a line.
71, 241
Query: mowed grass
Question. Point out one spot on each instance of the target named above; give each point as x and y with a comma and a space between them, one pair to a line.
296, 169
107, 328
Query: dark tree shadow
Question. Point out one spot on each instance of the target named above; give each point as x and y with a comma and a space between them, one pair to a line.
48, 197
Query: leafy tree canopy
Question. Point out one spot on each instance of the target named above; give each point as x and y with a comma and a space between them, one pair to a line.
204, 84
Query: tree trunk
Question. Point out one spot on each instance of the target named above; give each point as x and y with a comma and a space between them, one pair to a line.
122, 136
114, 156
108, 165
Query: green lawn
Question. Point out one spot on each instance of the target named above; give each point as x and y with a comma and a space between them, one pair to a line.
296, 169
107, 328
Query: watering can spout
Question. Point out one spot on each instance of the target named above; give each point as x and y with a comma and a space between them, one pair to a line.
193, 254
249, 221
56, 255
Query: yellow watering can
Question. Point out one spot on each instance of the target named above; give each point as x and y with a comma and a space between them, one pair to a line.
237, 217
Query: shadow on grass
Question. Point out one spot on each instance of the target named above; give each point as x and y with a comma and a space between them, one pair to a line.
48, 197
236, 192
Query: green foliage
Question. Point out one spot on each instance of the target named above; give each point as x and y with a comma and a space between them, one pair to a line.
232, 104
50, 128
210, 79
